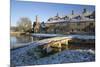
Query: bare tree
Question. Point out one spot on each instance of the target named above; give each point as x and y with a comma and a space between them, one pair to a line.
24, 24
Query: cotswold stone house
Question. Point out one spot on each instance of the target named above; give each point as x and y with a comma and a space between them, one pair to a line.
73, 23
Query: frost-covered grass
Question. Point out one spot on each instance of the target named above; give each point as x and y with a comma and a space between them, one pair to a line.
68, 56
31, 55
37, 52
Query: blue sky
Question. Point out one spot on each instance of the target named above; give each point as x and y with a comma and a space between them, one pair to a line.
43, 10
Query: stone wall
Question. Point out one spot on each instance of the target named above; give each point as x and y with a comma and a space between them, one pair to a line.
71, 27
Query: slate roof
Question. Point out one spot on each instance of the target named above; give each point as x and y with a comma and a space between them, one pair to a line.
71, 18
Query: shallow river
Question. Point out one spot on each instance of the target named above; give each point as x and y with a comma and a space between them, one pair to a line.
23, 39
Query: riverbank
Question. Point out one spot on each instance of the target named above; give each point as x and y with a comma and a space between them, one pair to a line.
20, 57
47, 39
20, 45
29, 54
16, 33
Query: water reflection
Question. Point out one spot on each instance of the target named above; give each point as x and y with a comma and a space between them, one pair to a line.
23, 39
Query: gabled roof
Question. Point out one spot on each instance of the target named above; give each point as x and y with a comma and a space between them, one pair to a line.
87, 14
72, 18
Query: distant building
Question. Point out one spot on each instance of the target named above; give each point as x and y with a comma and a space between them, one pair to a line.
72, 23
36, 25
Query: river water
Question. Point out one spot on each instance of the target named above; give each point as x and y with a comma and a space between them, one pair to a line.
23, 39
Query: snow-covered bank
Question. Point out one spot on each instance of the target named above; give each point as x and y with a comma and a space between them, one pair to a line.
67, 56
14, 46
20, 57
68, 36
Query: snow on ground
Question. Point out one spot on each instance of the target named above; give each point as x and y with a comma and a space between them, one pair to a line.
68, 36
45, 35
67, 56
20, 57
